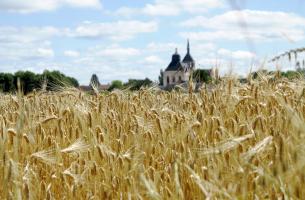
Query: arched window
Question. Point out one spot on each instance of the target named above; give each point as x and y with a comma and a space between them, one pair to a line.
180, 80
174, 80
167, 80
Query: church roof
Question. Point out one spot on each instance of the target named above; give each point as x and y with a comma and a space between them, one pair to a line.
188, 58
175, 64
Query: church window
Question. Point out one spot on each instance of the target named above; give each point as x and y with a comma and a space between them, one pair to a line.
180, 80
167, 80
174, 80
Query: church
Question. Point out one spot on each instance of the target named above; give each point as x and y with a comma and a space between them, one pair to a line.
179, 71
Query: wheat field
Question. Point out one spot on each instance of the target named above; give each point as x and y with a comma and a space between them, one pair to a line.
232, 141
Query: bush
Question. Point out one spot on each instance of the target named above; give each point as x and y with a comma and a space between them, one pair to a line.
116, 84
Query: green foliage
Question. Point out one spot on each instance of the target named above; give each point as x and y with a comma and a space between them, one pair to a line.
202, 75
116, 84
30, 81
7, 82
293, 74
56, 79
290, 74
134, 84
161, 77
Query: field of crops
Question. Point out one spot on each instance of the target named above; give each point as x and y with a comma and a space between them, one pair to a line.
235, 141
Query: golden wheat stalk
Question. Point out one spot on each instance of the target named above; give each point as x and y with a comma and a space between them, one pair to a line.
79, 145
227, 146
259, 147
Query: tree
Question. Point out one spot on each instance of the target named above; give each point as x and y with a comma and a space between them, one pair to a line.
291, 74
161, 77
202, 75
56, 79
7, 82
134, 84
116, 84
72, 81
29, 81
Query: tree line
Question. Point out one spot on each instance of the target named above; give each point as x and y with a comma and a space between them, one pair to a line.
290, 74
52, 80
132, 84
29, 81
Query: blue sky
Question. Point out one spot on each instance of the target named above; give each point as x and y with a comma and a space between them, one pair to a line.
121, 39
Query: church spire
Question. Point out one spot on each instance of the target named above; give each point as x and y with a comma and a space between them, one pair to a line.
188, 58
188, 46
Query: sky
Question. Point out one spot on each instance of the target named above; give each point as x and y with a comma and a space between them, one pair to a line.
124, 39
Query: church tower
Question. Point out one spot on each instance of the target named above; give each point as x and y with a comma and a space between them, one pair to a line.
188, 60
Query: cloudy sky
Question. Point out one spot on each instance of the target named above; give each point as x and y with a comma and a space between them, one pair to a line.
121, 39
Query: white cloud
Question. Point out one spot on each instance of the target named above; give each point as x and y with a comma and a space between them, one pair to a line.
111, 53
171, 8
82, 3
71, 53
20, 52
260, 26
29, 6
162, 8
118, 52
170, 47
199, 6
241, 55
15, 40
120, 30
45, 52
118, 62
26, 43
162, 47
152, 60
10, 34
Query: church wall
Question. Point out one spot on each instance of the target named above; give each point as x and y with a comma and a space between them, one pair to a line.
175, 74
